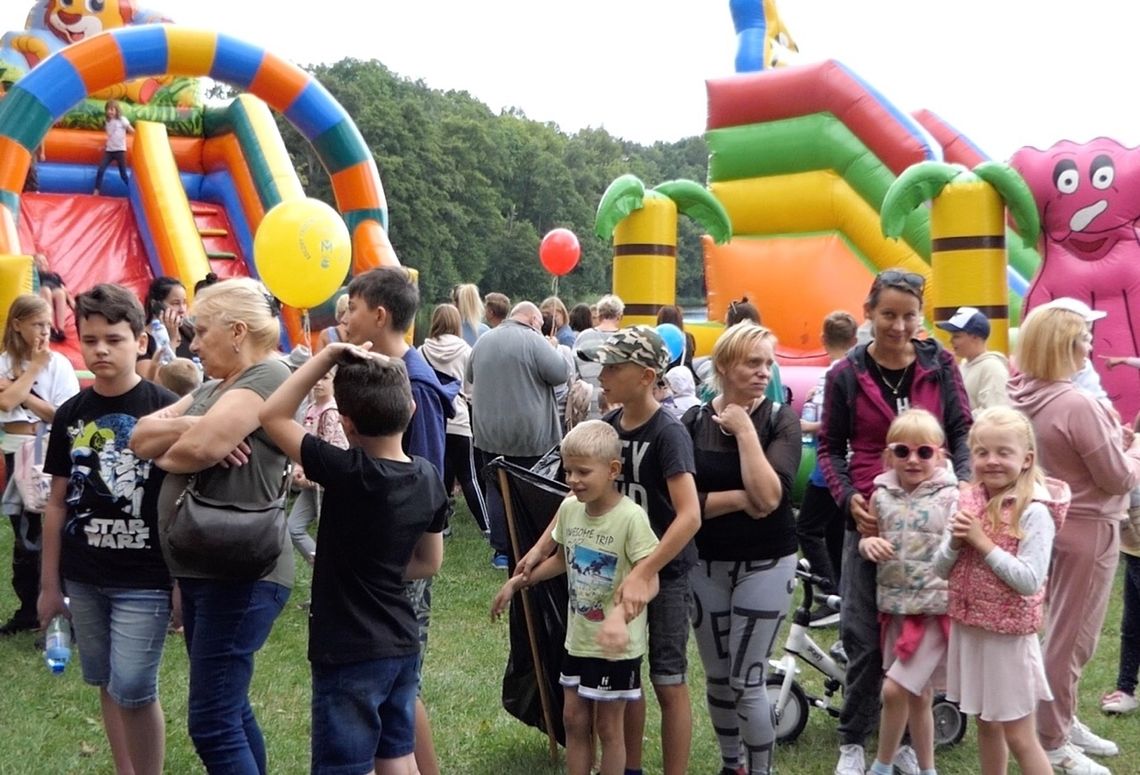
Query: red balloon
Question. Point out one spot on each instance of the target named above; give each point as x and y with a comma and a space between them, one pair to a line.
559, 251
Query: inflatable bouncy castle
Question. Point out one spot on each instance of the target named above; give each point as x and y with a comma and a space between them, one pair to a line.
801, 158
202, 179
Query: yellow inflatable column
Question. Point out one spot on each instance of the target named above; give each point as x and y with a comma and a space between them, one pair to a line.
645, 260
15, 278
968, 258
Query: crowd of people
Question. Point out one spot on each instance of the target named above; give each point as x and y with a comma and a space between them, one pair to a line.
1012, 482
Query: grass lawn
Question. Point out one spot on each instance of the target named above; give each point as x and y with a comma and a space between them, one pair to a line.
51, 724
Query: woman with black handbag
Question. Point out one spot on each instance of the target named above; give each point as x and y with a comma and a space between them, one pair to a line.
225, 473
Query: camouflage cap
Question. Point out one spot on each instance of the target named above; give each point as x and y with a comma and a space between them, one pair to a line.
636, 344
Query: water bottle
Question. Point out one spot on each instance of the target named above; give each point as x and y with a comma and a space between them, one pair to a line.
810, 414
163, 353
57, 644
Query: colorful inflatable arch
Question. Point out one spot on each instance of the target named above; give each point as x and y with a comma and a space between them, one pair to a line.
242, 143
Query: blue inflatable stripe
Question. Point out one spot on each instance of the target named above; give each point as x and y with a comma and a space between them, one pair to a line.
218, 188
144, 49
236, 62
192, 184
55, 83
913, 127
144, 230
315, 111
1018, 285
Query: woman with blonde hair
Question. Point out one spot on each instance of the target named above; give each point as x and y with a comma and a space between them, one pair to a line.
1080, 442
211, 443
470, 305
34, 382
448, 354
553, 306
747, 453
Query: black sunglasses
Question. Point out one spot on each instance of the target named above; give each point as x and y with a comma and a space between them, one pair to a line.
902, 451
895, 277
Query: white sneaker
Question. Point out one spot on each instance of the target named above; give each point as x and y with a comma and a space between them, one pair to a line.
1070, 760
852, 760
906, 761
1084, 738
1118, 702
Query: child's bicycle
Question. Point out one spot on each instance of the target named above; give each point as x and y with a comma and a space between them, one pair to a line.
791, 703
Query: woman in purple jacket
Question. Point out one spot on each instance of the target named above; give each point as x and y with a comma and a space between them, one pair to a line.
863, 394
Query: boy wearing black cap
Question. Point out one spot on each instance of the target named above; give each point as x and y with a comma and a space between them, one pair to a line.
984, 372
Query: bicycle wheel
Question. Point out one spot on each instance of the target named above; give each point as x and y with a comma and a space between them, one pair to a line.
949, 721
792, 718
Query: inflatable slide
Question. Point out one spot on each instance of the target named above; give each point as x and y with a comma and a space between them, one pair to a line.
194, 200
801, 158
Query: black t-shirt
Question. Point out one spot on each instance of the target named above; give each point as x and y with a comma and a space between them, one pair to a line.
373, 513
651, 455
894, 384
738, 536
110, 534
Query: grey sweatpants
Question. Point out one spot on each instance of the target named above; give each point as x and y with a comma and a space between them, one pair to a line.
737, 611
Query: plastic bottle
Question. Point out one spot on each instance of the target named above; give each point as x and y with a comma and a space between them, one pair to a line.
163, 352
810, 414
57, 644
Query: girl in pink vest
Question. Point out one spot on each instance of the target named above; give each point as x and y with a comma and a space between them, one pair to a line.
913, 502
996, 555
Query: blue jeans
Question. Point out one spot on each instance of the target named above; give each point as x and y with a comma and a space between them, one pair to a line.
363, 711
120, 634
226, 623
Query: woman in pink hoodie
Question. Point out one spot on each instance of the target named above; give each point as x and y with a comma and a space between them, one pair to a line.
1080, 442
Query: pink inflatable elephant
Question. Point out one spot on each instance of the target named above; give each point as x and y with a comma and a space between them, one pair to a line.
1089, 199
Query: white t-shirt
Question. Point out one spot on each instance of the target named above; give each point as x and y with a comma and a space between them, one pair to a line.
55, 384
117, 134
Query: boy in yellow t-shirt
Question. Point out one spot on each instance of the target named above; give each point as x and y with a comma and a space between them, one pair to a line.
604, 535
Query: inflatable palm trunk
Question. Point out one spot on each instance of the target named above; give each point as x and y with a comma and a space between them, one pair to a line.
645, 260
967, 234
643, 225
967, 252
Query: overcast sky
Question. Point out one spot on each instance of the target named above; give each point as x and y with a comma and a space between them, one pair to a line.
1007, 73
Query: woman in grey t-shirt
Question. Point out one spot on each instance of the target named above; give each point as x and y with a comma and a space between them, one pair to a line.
213, 434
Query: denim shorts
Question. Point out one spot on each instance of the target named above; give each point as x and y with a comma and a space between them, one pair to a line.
120, 634
363, 711
669, 617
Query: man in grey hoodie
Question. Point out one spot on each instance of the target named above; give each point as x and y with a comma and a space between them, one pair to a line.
985, 372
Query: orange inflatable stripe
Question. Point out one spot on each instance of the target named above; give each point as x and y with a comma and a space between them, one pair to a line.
224, 152
80, 146
278, 82
773, 273
14, 162
355, 187
371, 248
99, 62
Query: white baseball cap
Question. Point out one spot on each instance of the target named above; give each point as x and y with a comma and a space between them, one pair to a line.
1076, 305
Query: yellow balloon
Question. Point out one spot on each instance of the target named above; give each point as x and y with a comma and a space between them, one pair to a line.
302, 251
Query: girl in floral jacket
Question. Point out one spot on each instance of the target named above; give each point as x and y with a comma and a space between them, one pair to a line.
912, 503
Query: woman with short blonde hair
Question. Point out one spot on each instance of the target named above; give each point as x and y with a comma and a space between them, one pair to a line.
211, 441
470, 305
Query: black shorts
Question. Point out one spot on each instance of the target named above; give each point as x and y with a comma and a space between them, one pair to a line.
602, 679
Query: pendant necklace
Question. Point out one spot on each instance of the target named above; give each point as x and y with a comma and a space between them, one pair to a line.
902, 403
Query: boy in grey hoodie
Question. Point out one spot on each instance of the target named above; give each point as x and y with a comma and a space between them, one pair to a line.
985, 372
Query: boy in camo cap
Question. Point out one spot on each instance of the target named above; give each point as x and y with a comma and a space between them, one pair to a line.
657, 474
